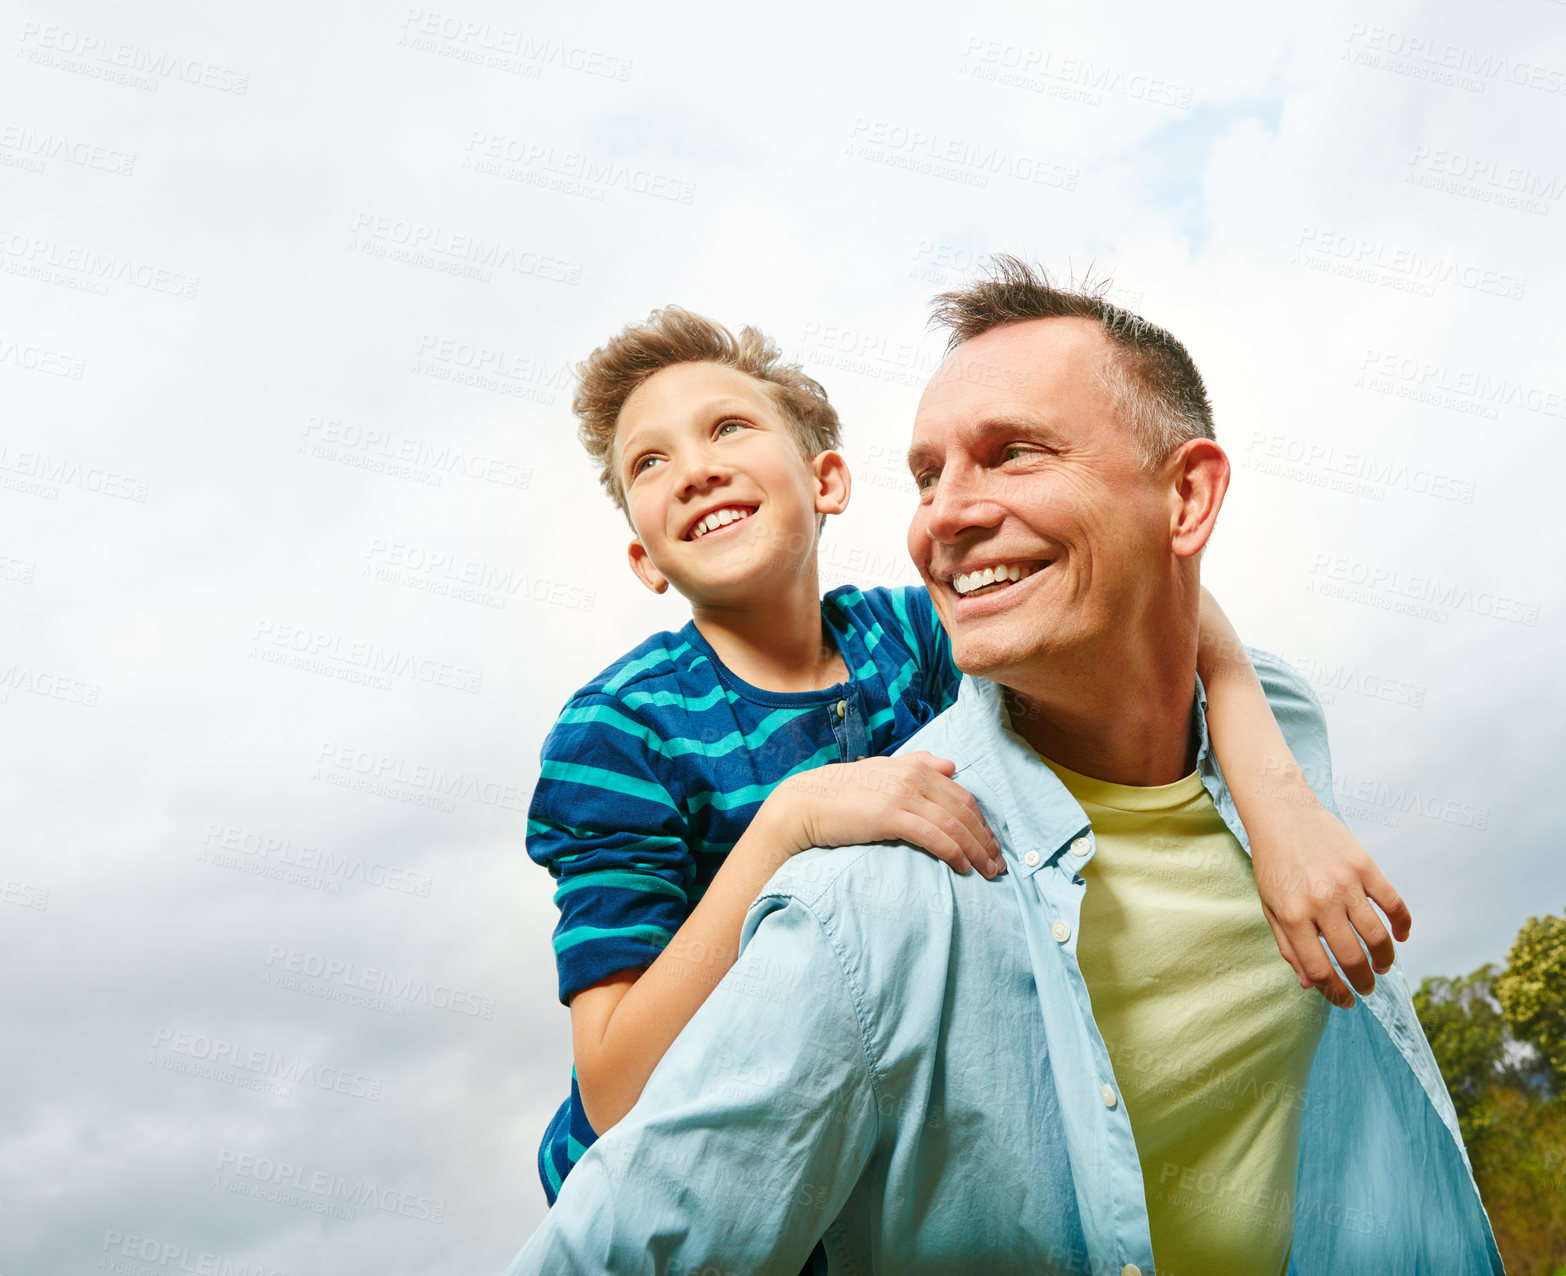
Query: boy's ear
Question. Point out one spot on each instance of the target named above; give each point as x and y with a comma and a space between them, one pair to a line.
833, 483
642, 565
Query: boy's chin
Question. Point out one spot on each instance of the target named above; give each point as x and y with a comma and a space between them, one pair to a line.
755, 589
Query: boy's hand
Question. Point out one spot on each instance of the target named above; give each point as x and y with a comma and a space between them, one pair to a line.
908, 798
1316, 882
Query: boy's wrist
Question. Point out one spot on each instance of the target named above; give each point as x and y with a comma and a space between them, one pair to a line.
778, 828
1286, 808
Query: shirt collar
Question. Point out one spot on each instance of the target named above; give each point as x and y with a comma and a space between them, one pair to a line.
1040, 814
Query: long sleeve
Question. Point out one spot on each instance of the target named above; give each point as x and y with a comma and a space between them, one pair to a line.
606, 823
750, 1134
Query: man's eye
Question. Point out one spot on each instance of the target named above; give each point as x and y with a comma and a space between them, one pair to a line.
1013, 451
924, 479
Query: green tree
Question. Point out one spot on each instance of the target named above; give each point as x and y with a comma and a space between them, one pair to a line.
1467, 1035
1519, 1159
1532, 993
1500, 1041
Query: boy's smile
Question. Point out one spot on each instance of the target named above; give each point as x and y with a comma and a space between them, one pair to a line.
707, 524
720, 495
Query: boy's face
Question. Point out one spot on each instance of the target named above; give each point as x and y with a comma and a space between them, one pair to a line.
697, 440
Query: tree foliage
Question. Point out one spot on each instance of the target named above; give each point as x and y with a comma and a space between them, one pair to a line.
1500, 1040
1532, 993
1467, 1035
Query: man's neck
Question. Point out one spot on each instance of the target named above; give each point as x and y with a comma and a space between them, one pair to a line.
779, 644
1122, 715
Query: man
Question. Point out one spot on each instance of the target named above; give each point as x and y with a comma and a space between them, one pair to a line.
1036, 1073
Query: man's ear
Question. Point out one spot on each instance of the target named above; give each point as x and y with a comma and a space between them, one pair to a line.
1198, 474
642, 565
833, 483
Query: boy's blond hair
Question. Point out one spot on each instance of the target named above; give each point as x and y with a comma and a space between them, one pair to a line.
672, 335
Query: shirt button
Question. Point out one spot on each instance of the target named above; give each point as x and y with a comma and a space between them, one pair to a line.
1107, 1094
1081, 846
859, 757
1031, 859
1130, 1269
1061, 931
842, 708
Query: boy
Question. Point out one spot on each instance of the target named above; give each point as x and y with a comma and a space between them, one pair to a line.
676, 782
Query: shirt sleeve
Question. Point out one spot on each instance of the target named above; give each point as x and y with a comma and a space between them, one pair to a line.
750, 1134
607, 824
927, 639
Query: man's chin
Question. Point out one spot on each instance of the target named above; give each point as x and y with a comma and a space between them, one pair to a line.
982, 657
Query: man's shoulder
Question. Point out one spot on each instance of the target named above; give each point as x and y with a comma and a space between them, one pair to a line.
825, 876
1292, 699
1277, 674
832, 880
938, 736
1300, 717
882, 908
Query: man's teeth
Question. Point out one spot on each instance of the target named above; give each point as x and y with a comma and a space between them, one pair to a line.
967, 582
717, 519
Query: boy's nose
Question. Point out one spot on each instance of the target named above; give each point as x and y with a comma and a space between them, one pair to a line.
701, 470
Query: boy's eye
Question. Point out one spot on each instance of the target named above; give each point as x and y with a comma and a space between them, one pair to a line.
724, 425
642, 464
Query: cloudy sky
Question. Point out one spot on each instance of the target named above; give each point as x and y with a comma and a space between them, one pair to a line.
299, 557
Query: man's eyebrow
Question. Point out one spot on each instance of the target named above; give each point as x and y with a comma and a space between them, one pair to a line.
1033, 427
1026, 423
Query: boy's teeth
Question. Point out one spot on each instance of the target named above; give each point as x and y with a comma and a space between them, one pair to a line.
967, 582
717, 519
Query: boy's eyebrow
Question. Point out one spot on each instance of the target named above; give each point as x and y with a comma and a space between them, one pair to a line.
731, 405
723, 405
921, 454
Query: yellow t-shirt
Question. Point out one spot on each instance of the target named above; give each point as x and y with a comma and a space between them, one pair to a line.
1209, 1033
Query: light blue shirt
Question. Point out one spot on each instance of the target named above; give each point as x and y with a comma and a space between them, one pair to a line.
904, 1063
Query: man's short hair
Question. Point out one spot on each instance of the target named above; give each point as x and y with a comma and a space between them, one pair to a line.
1155, 385
670, 336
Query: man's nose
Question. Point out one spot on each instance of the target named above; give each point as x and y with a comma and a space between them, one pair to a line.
960, 503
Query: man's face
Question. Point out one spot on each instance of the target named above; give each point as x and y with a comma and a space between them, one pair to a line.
1023, 464
720, 495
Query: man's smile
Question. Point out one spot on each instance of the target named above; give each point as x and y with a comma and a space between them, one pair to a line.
999, 574
972, 589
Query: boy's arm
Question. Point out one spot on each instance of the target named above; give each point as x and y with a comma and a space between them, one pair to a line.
754, 1133
1315, 879
622, 1026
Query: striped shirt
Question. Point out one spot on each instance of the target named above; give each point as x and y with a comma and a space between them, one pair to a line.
655, 768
